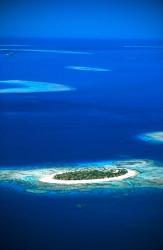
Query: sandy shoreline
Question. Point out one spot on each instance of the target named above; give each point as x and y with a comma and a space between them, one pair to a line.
50, 179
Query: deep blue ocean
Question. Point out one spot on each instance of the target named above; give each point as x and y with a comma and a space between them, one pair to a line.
98, 121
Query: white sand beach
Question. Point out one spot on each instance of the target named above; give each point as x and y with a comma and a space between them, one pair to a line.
51, 179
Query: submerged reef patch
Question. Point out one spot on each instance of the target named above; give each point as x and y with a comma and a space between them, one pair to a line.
8, 50
153, 137
84, 68
21, 86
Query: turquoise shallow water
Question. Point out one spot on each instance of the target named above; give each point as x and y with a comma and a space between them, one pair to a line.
149, 175
152, 137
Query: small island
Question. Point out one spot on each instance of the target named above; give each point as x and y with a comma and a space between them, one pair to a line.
89, 176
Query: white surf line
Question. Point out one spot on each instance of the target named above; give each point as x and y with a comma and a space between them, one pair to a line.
48, 51
50, 179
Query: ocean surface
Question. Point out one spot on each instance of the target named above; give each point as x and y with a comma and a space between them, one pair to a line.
117, 94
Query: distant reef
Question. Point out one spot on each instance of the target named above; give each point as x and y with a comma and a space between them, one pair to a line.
86, 68
152, 137
21, 86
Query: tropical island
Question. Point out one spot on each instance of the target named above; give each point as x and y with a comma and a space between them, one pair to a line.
91, 175
134, 173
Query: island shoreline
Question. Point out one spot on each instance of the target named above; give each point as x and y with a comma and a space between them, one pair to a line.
51, 179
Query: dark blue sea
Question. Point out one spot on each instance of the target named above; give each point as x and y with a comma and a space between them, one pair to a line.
98, 121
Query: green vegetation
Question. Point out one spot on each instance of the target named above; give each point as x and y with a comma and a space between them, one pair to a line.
90, 174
